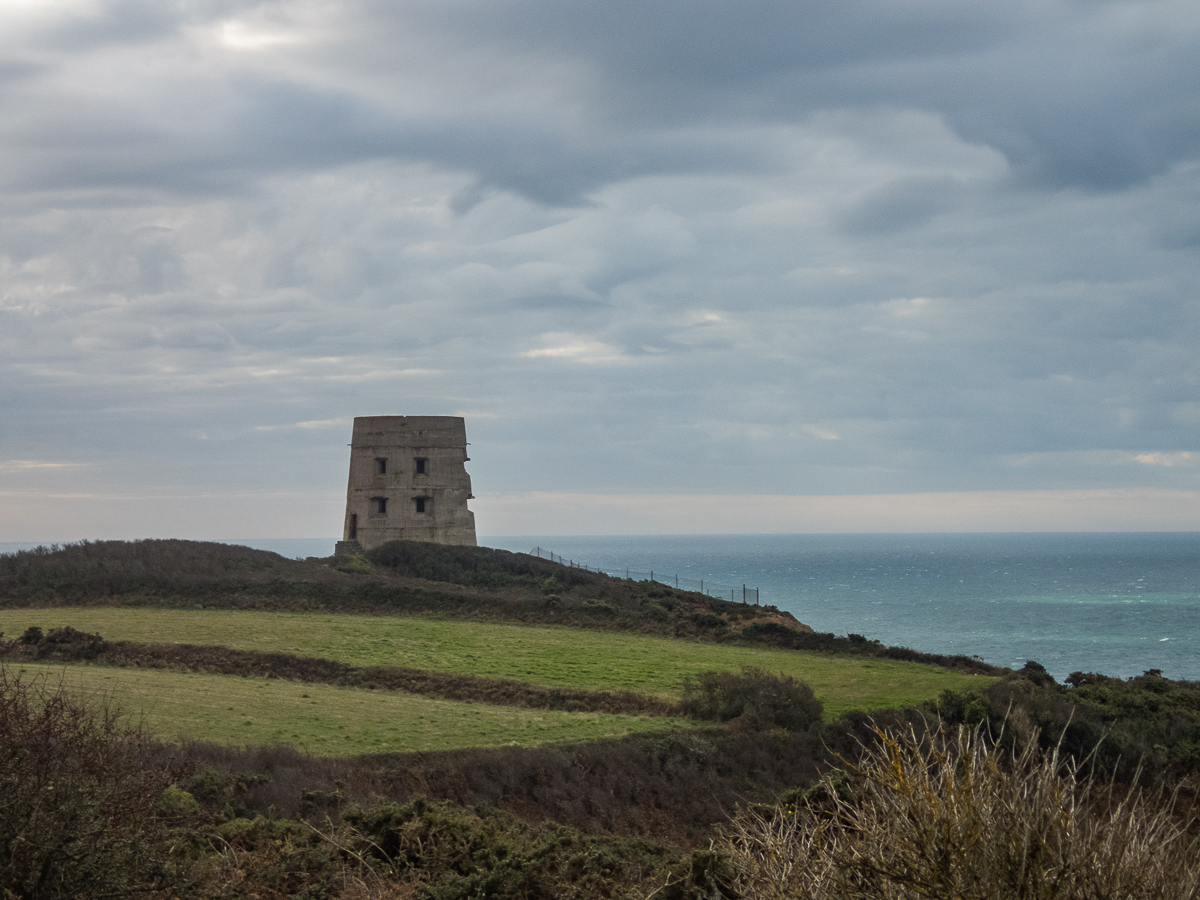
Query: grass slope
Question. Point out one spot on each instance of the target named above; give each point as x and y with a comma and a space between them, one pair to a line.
546, 655
410, 578
325, 720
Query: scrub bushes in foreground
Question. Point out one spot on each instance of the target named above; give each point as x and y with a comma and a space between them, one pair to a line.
78, 794
935, 815
1146, 724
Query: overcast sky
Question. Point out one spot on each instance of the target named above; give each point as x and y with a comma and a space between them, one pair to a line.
938, 259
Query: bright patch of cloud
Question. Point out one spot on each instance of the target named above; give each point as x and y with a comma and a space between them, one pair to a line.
823, 434
911, 307
1180, 458
311, 424
239, 35
24, 465
576, 349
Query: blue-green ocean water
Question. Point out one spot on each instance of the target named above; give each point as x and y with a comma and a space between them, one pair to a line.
1113, 603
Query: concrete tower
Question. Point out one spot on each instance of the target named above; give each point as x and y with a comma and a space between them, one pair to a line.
408, 482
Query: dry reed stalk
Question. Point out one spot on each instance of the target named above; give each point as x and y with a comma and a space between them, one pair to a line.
953, 816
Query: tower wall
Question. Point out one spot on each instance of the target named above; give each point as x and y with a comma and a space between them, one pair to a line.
408, 481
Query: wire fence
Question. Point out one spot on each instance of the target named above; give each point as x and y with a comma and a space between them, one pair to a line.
702, 586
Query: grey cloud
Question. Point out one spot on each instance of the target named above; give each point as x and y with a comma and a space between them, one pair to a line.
553, 303
1060, 89
281, 125
124, 22
13, 71
719, 43
1102, 115
902, 203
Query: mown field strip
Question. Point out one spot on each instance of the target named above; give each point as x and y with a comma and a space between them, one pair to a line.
545, 655
325, 720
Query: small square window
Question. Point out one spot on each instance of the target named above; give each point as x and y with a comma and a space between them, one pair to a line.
422, 463
379, 506
423, 504
380, 465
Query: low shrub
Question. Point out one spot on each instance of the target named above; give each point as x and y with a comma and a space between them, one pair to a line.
755, 697
353, 564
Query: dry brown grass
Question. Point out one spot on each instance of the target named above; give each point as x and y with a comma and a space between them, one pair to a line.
952, 815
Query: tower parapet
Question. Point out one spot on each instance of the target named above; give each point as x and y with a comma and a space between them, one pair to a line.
408, 482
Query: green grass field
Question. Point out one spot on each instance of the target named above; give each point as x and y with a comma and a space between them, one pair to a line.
321, 719
551, 656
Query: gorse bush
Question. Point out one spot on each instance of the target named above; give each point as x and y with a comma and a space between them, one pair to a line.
755, 697
955, 816
78, 793
459, 854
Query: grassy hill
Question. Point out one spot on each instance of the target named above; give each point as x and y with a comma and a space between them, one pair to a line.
328, 720
449, 723
543, 656
408, 578
432, 612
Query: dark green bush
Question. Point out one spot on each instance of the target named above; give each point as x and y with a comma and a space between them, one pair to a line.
756, 697
1146, 723
598, 608
708, 620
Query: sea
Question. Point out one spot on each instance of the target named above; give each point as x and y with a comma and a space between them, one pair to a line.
1114, 603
